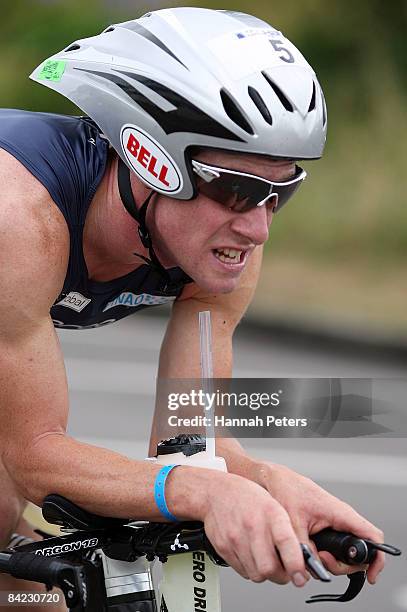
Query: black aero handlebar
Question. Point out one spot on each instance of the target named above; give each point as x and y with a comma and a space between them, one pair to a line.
156, 540
53, 572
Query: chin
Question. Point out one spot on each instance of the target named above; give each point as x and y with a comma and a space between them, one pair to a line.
216, 285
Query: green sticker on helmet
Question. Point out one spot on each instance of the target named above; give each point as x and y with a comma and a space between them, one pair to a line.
52, 70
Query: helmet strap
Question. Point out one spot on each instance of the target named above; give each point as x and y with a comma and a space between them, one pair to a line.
126, 195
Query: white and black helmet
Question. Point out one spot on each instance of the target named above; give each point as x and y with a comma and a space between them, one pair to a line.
183, 77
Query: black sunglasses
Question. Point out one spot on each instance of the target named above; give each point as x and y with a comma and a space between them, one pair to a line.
240, 191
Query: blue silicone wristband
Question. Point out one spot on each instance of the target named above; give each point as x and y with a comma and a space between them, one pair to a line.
159, 492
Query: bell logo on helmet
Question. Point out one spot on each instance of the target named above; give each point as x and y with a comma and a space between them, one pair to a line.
149, 161
144, 157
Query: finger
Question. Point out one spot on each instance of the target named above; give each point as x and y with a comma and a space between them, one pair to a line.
350, 520
227, 552
234, 562
289, 549
267, 561
376, 567
303, 537
337, 568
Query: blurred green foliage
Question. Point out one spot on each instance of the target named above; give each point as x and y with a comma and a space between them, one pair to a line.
354, 199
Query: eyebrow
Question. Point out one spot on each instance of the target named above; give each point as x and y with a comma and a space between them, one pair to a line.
287, 178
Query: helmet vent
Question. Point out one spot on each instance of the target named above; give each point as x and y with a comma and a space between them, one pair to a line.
72, 48
234, 113
111, 29
259, 102
312, 103
283, 99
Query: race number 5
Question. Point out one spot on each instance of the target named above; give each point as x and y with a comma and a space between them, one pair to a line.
286, 55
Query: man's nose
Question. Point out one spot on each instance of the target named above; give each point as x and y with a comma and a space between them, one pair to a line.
254, 224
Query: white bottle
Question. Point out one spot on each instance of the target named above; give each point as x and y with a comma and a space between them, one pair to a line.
190, 581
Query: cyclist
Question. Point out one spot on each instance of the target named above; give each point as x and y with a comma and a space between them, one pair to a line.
194, 121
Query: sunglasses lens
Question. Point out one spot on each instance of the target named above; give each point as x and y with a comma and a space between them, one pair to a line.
241, 193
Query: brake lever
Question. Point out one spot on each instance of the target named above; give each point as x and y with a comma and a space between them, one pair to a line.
356, 583
314, 565
351, 550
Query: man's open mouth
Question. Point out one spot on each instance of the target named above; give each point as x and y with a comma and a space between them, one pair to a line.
230, 256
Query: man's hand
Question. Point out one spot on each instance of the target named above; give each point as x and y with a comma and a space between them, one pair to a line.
312, 509
252, 532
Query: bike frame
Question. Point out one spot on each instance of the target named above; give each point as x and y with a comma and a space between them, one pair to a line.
105, 565
115, 563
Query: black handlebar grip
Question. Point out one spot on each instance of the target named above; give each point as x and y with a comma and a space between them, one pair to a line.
51, 572
344, 547
34, 567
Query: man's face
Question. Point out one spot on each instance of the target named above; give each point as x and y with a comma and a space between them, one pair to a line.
209, 241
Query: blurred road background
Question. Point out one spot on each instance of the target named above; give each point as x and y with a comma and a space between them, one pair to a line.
111, 373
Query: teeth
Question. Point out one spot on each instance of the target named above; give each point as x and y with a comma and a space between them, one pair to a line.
228, 255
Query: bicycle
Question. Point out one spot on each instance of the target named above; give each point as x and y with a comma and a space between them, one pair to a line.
104, 564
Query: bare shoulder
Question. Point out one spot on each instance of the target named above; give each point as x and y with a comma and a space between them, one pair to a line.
34, 242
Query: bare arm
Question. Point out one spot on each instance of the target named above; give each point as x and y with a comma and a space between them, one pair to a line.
180, 351
40, 457
35, 449
309, 507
